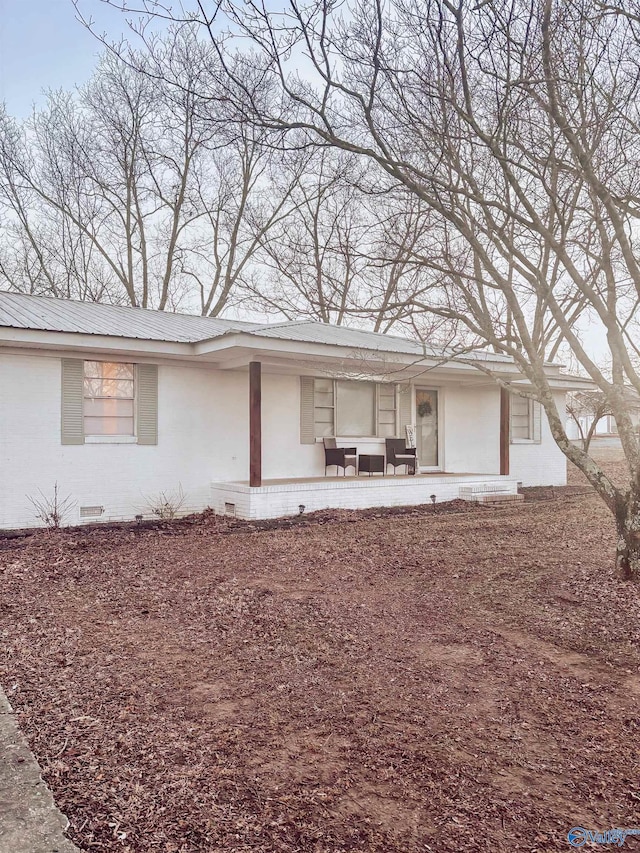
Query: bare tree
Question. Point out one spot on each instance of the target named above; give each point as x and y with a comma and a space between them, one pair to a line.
41, 252
516, 126
398, 278
248, 198
316, 263
131, 191
348, 252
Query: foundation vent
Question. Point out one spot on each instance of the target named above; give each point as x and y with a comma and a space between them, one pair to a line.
91, 511
229, 509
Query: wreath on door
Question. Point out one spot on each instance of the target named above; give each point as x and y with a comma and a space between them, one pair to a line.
424, 408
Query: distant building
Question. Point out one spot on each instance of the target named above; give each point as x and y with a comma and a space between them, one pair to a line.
606, 426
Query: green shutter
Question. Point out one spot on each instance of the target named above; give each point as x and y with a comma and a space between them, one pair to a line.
147, 399
307, 426
71, 427
537, 421
405, 407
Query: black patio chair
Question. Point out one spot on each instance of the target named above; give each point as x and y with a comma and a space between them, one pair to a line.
399, 454
341, 457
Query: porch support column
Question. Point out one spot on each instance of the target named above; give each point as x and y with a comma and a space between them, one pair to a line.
255, 423
504, 431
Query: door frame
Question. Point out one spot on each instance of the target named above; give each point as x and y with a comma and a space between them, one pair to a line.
428, 469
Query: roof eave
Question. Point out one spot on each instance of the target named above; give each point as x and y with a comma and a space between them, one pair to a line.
83, 342
255, 341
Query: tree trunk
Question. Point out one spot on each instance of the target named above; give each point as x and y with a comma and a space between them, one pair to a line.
628, 543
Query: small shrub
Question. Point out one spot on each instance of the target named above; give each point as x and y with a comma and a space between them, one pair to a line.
166, 505
51, 510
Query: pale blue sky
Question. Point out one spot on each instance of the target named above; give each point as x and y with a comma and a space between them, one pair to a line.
42, 45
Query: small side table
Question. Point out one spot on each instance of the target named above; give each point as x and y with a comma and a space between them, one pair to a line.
370, 463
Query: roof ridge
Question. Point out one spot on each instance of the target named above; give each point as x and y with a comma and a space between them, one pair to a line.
310, 322
283, 324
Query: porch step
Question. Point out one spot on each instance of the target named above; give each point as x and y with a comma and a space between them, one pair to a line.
496, 499
490, 493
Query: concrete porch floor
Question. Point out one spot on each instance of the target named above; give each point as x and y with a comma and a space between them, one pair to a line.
364, 476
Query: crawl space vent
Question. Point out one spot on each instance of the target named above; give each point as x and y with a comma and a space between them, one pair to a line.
229, 509
91, 511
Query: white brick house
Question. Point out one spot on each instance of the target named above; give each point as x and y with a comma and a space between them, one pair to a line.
117, 405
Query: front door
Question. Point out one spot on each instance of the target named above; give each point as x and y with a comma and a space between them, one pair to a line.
427, 427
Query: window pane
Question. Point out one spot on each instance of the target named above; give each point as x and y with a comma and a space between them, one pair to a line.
117, 388
108, 408
520, 417
108, 387
108, 426
387, 430
108, 370
93, 368
323, 398
324, 416
387, 395
323, 430
519, 405
355, 408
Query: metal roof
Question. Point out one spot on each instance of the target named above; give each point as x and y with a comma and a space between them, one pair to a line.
341, 336
307, 331
23, 311
45, 313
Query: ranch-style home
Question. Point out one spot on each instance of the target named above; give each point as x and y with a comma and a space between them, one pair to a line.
119, 406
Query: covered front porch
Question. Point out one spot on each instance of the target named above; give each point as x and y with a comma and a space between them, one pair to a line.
290, 411
282, 497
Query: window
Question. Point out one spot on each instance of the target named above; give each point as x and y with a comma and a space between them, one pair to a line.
323, 407
386, 411
352, 408
525, 418
98, 401
108, 404
355, 413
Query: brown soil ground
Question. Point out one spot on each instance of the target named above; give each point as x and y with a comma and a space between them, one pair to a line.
375, 681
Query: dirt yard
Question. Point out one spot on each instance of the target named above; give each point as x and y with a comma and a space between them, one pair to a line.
388, 683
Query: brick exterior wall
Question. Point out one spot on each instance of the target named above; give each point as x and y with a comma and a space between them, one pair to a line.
203, 439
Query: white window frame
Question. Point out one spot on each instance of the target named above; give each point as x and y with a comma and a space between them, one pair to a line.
379, 387
530, 439
376, 409
97, 438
